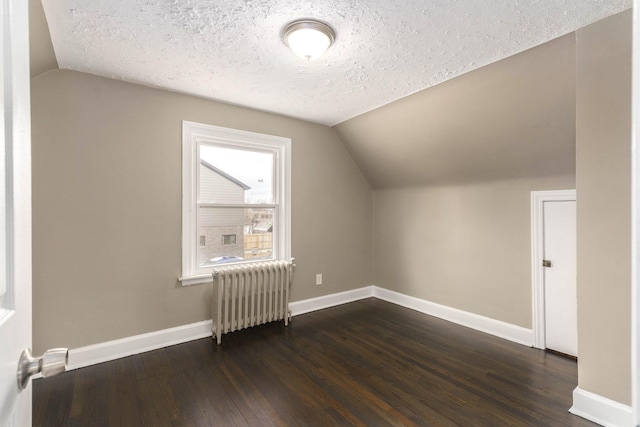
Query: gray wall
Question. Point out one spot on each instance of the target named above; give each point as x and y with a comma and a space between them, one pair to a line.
107, 208
463, 246
603, 119
41, 55
453, 226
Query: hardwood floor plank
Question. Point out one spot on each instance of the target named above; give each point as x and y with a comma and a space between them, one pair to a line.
368, 363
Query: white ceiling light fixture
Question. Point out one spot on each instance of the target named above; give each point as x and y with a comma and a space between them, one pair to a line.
307, 38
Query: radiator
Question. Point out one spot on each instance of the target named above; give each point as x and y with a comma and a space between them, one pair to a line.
250, 295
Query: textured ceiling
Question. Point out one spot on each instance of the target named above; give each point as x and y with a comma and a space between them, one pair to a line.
230, 50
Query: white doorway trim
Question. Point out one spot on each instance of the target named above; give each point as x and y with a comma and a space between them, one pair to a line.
537, 253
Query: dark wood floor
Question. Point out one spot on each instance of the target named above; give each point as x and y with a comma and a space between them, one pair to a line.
368, 363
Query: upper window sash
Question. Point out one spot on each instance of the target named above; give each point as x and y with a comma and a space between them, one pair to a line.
247, 149
195, 134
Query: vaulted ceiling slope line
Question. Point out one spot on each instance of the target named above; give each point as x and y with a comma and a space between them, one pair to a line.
41, 55
511, 119
232, 52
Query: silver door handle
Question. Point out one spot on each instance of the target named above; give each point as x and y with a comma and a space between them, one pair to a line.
52, 362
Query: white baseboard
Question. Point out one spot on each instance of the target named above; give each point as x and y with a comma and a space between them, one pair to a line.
332, 300
510, 332
588, 405
601, 410
111, 350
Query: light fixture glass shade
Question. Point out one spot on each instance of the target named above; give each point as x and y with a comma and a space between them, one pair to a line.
308, 39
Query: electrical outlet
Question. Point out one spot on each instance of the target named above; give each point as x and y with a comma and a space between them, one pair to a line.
318, 279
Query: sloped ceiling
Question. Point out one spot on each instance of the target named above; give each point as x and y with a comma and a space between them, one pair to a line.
41, 55
231, 50
512, 119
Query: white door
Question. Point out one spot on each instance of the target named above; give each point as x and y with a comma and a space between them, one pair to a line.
560, 302
15, 211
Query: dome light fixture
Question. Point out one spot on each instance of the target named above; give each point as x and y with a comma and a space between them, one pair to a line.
307, 38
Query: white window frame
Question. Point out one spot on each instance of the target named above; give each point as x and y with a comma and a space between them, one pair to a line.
196, 134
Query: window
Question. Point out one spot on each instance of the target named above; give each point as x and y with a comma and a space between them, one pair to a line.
228, 239
235, 199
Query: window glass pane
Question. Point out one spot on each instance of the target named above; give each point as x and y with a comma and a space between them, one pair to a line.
230, 175
228, 235
229, 239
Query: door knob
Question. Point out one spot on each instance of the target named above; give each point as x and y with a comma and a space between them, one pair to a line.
52, 362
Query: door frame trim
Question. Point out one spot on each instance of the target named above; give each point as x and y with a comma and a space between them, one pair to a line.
537, 252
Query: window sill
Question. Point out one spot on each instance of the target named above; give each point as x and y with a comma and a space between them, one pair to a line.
195, 280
